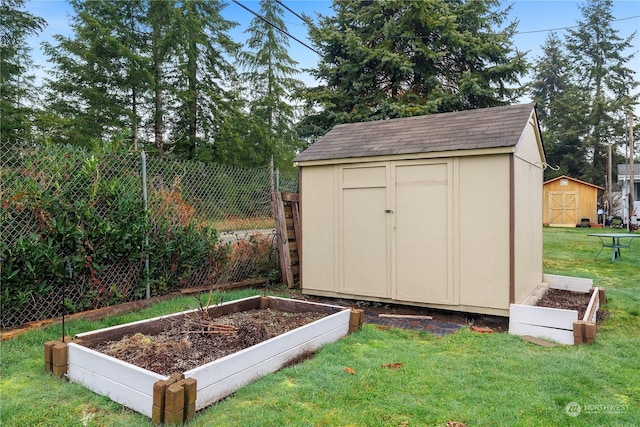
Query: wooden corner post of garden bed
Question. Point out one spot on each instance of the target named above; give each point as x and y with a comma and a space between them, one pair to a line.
264, 303
355, 320
174, 400
584, 330
56, 357
578, 332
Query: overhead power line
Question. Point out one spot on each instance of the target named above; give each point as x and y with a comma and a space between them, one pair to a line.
302, 18
569, 27
305, 20
265, 20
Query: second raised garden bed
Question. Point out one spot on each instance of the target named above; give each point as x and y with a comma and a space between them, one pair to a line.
558, 324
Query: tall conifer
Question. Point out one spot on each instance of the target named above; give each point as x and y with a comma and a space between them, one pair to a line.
401, 58
16, 66
271, 88
601, 71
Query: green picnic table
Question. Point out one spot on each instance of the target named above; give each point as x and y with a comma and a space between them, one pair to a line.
616, 243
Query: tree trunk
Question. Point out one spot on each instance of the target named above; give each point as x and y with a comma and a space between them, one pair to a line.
193, 100
158, 122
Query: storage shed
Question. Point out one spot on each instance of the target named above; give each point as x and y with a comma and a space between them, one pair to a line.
443, 210
569, 201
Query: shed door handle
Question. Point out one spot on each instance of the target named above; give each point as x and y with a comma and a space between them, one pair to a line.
388, 211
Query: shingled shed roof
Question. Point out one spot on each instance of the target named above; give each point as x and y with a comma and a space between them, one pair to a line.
464, 130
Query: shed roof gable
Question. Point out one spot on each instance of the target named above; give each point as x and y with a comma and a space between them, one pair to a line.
574, 180
494, 127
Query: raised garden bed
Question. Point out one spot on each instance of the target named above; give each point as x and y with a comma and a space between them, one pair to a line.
564, 309
152, 393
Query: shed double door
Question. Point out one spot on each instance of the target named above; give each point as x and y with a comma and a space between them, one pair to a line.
563, 207
395, 231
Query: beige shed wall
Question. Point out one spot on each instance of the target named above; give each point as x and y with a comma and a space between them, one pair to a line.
317, 203
528, 239
477, 227
528, 229
528, 149
484, 231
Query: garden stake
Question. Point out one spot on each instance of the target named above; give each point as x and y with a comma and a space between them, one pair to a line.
64, 294
272, 256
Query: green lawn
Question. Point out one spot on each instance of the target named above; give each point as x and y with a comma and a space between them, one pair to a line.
475, 379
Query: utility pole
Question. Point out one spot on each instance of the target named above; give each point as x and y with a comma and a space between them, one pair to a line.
631, 171
609, 186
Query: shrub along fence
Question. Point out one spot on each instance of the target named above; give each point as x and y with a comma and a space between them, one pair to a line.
83, 229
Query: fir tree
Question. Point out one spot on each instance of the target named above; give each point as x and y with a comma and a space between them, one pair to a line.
271, 89
402, 58
606, 82
100, 72
199, 83
559, 112
16, 82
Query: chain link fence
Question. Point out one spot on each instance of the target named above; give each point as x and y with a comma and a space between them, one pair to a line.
85, 229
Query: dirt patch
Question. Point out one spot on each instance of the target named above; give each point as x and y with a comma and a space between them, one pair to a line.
193, 341
568, 300
442, 322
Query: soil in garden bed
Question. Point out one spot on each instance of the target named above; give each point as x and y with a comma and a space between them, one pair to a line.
192, 341
568, 300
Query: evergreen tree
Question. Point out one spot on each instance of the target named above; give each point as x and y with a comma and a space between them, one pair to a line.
100, 73
402, 58
199, 82
559, 112
551, 79
601, 72
162, 39
271, 90
16, 84
162, 61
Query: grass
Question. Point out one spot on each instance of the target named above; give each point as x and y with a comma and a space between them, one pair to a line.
471, 378
241, 224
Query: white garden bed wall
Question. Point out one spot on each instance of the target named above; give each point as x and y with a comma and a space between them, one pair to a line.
133, 386
558, 325
120, 381
224, 376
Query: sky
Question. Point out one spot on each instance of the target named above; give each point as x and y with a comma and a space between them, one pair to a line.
536, 18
